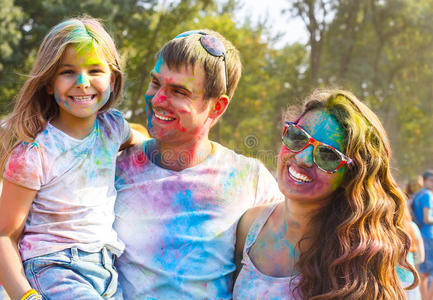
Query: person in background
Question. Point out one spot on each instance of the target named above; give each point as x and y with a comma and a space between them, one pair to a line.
412, 187
415, 256
340, 233
423, 208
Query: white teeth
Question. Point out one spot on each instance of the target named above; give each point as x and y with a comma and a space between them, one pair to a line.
298, 176
163, 118
82, 98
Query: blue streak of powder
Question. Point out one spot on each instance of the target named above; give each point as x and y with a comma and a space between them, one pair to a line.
58, 100
149, 110
183, 225
158, 64
148, 98
81, 80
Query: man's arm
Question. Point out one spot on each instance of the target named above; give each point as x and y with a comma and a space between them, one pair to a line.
427, 215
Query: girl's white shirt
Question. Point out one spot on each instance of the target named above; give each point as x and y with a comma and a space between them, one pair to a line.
74, 205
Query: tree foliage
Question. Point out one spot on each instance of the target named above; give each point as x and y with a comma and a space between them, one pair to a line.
382, 50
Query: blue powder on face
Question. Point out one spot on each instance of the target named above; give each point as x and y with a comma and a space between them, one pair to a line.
149, 110
82, 80
158, 64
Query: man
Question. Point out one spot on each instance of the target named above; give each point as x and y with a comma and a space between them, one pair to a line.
181, 195
423, 208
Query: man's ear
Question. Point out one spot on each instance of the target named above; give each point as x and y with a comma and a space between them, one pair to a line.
219, 107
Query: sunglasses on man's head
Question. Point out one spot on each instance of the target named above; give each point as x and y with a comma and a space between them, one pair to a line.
326, 157
213, 46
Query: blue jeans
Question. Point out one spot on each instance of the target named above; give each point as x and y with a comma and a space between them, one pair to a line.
74, 274
427, 265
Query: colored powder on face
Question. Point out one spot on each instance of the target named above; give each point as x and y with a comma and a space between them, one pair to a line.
82, 80
148, 98
149, 109
59, 99
158, 64
106, 96
339, 178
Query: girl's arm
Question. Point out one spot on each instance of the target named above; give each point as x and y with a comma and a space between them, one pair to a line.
135, 137
15, 202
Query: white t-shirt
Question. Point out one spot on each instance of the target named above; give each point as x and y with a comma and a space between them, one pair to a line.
75, 182
179, 227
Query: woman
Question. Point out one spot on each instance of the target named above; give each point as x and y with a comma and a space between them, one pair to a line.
340, 232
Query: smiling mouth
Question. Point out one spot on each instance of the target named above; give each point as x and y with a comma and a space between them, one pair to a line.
82, 99
298, 177
159, 116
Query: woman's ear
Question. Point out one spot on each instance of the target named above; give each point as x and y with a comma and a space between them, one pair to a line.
219, 107
49, 89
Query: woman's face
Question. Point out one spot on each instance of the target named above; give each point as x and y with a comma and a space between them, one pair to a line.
299, 179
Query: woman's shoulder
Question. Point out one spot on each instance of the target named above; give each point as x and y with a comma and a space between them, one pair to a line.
249, 217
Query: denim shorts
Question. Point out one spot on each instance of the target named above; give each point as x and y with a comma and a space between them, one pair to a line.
427, 265
74, 274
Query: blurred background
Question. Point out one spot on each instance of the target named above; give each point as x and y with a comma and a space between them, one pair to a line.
382, 50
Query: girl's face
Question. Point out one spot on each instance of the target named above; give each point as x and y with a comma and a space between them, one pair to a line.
299, 179
82, 84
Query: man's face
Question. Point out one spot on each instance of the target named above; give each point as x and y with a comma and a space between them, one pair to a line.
176, 109
428, 183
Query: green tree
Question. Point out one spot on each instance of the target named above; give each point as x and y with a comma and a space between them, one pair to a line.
10, 18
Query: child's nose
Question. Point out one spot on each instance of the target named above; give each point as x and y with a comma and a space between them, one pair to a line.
305, 157
82, 80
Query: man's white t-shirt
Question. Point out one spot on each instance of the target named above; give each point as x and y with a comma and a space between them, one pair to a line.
179, 227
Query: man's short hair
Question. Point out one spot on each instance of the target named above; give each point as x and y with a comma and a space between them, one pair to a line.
187, 51
427, 174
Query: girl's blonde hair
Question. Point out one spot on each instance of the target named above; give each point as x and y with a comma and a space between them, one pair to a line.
360, 237
34, 107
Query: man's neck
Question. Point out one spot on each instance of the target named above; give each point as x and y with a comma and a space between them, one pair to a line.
178, 157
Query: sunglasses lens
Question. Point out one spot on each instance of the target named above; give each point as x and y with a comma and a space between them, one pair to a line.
327, 158
212, 45
294, 138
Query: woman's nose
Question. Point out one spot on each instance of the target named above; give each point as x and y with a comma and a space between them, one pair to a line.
305, 157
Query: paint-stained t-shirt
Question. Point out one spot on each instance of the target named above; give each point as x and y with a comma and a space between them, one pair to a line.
179, 227
74, 179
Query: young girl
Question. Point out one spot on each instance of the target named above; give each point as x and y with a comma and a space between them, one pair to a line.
340, 233
58, 156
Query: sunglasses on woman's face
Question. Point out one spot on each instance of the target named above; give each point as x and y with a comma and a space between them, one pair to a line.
326, 157
212, 45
